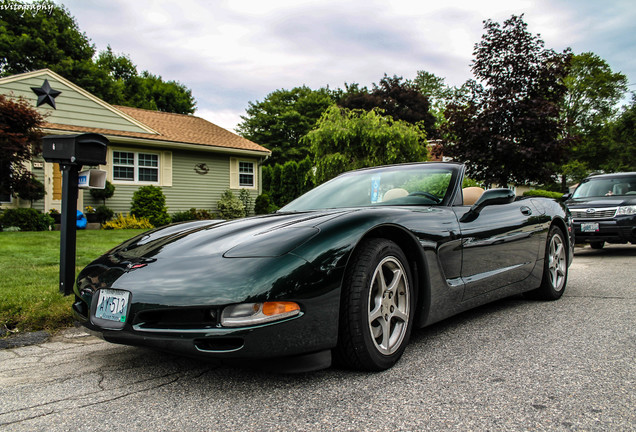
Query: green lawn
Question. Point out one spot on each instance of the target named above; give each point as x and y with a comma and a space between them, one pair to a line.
29, 275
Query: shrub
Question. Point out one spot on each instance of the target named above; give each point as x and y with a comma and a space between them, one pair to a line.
55, 215
264, 205
203, 214
543, 193
103, 194
30, 189
127, 222
246, 199
149, 202
183, 216
26, 219
230, 207
192, 214
468, 182
103, 213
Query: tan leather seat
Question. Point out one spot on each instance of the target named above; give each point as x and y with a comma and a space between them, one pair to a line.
394, 194
471, 194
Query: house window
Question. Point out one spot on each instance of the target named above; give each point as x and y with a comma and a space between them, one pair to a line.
135, 167
148, 167
246, 174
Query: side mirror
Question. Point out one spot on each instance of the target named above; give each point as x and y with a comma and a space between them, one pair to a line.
488, 198
565, 197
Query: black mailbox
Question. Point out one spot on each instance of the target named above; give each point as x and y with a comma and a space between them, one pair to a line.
71, 152
80, 149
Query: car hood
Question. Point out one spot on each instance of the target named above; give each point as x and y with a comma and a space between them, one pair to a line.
200, 262
600, 202
270, 235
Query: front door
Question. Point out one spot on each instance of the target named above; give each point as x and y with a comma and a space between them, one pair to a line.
499, 247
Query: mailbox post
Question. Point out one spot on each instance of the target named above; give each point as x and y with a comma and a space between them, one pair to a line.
71, 152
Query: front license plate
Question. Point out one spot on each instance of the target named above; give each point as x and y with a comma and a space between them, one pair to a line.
112, 305
589, 227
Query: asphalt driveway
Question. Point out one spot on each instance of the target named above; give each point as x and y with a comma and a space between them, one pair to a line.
511, 365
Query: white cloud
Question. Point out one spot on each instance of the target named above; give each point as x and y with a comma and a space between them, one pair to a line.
233, 52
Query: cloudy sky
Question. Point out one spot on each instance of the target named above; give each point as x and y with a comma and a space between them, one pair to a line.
231, 52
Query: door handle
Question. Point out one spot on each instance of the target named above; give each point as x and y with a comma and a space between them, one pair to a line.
526, 210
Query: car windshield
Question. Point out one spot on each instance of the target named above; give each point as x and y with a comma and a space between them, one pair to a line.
418, 184
606, 186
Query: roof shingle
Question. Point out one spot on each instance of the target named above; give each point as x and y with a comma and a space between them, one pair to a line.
177, 128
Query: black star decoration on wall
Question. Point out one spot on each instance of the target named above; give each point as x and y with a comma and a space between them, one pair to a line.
46, 95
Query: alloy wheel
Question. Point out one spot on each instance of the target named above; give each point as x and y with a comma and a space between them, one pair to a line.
557, 262
389, 305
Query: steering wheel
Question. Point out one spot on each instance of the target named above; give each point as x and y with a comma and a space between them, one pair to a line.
427, 195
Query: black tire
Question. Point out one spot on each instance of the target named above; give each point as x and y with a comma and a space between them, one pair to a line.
377, 307
555, 268
597, 245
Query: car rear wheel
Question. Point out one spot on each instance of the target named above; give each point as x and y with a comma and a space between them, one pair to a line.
377, 308
555, 268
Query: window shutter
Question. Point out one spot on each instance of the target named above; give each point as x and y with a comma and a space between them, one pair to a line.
166, 168
234, 175
109, 165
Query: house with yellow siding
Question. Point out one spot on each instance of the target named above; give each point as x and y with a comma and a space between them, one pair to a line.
192, 160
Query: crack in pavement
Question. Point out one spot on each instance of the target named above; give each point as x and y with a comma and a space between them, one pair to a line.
61, 405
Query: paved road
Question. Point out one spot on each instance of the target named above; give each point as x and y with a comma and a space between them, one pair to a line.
512, 365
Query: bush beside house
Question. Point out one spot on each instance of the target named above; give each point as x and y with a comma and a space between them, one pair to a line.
149, 202
25, 219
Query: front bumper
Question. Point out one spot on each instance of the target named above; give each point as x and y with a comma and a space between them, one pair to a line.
620, 229
176, 305
315, 329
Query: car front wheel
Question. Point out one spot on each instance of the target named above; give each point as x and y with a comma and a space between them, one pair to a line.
377, 309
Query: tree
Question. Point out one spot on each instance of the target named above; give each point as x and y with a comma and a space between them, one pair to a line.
348, 139
620, 141
593, 92
508, 129
30, 189
283, 183
276, 183
20, 141
46, 35
432, 86
290, 185
282, 119
151, 92
305, 176
439, 95
37, 38
400, 100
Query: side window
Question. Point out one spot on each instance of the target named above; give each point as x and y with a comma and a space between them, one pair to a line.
148, 170
246, 174
123, 166
135, 167
243, 174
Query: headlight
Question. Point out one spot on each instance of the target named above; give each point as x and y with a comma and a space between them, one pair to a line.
248, 314
626, 210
